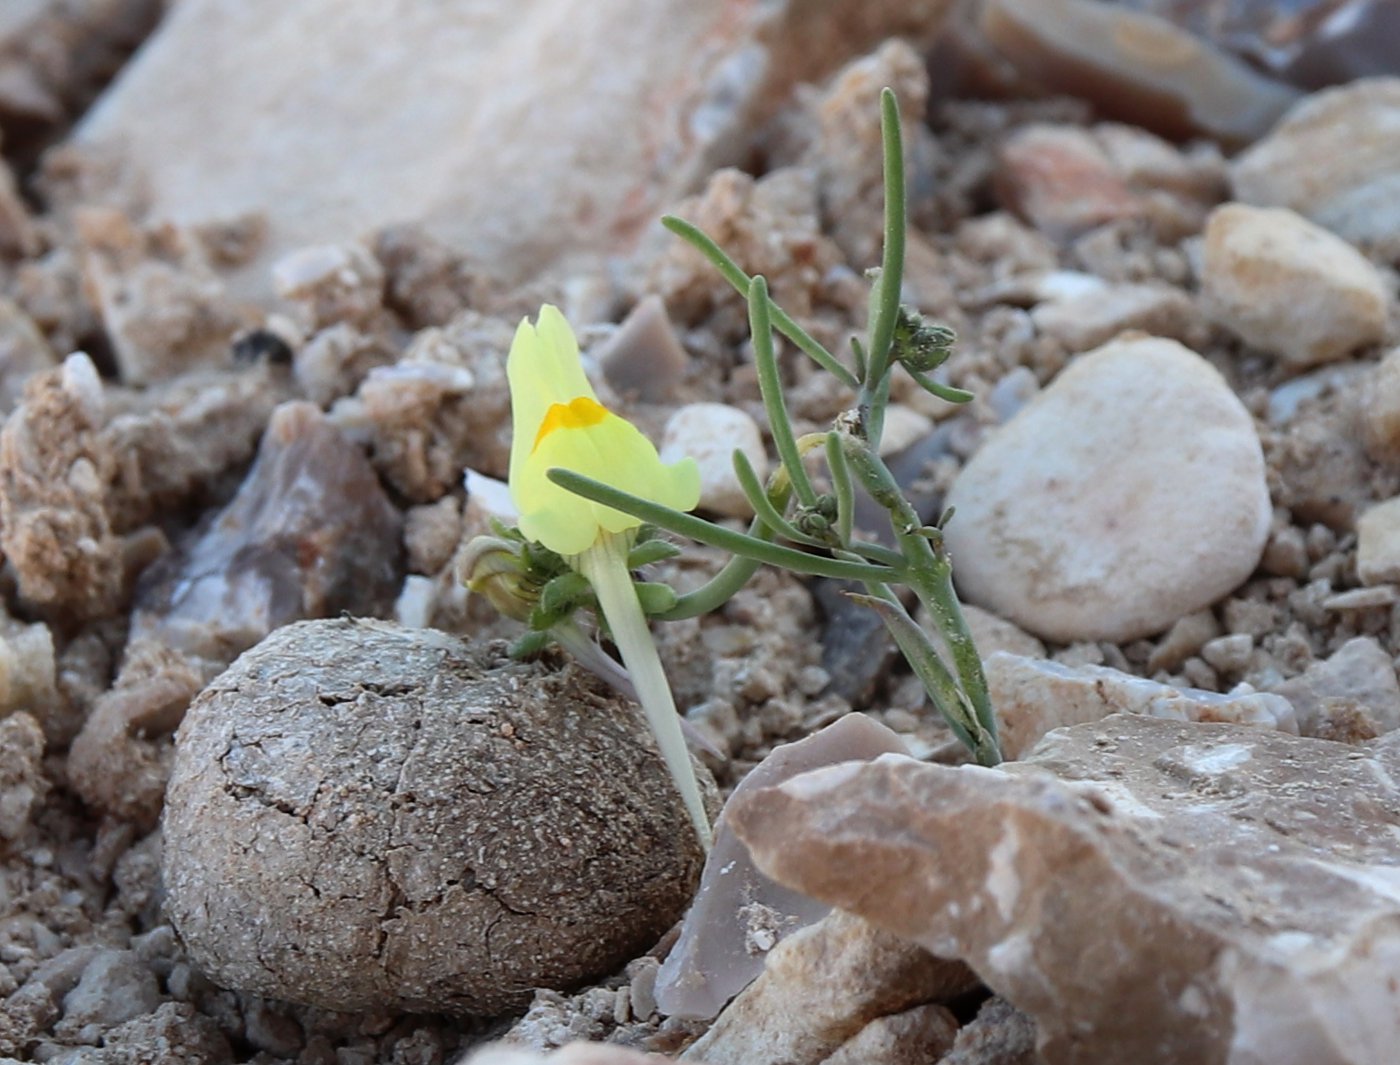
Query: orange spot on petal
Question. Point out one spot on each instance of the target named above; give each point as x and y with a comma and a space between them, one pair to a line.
579, 413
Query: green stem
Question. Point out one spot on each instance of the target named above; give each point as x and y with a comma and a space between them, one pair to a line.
694, 236
930, 574
771, 387
605, 566
841, 487
705, 532
892, 261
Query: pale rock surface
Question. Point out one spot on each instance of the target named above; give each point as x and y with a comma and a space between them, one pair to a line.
1334, 158
54, 525
23, 785
904, 427
1033, 696
331, 283
820, 988
739, 915
27, 668
1378, 543
1093, 318
710, 433
1233, 886
363, 816
917, 1036
1289, 287
451, 114
1352, 695
1129, 493
24, 351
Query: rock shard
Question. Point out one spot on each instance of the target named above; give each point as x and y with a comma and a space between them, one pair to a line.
1146, 890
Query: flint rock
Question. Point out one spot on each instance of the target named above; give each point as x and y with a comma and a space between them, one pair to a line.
644, 357
821, 988
1289, 287
1335, 159
1129, 493
1145, 890
1033, 696
527, 182
739, 915
368, 817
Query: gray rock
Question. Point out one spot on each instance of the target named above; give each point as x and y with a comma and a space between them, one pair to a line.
1145, 890
363, 816
309, 533
116, 986
1353, 695
644, 357
739, 915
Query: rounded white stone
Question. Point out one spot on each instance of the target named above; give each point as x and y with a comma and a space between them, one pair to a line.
1130, 493
710, 433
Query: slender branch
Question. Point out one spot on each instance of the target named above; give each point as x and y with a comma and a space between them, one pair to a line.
694, 236
716, 536
771, 386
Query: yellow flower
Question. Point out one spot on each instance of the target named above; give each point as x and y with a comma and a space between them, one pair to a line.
559, 423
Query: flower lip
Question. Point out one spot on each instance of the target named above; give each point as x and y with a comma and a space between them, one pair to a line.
579, 413
558, 422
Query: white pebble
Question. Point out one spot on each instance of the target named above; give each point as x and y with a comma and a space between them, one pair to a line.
710, 433
1129, 493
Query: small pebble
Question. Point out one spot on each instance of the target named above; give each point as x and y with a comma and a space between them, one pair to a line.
710, 433
1289, 287
1378, 543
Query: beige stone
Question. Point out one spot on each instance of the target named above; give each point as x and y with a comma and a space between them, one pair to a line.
1093, 318
517, 133
1060, 180
1354, 694
1146, 890
820, 988
1126, 495
1333, 158
1380, 408
1378, 543
1289, 287
1033, 696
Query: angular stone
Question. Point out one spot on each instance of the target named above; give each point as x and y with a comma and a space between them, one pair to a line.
1135, 67
1128, 494
1335, 159
1145, 890
23, 353
1289, 287
1033, 696
1351, 696
739, 915
644, 357
820, 988
368, 817
1380, 409
472, 123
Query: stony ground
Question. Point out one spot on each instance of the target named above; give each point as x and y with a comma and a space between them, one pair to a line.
1204, 504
